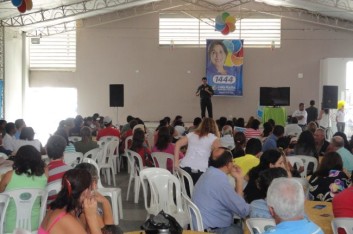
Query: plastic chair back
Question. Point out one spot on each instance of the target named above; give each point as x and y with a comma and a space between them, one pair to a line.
93, 154
140, 126
195, 217
75, 138
307, 160
105, 139
160, 159
4, 202
259, 225
344, 223
54, 187
72, 159
24, 200
184, 178
297, 162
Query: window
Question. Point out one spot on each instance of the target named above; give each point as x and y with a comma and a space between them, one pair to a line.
57, 52
176, 31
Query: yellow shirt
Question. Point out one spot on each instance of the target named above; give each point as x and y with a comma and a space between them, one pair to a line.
246, 162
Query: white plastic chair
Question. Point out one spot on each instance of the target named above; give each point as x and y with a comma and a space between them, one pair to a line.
53, 188
127, 141
305, 183
194, 214
73, 158
135, 164
106, 163
3, 155
344, 223
152, 206
93, 154
4, 202
259, 224
21, 231
160, 159
185, 177
115, 157
113, 193
297, 162
165, 193
307, 160
75, 138
24, 200
140, 126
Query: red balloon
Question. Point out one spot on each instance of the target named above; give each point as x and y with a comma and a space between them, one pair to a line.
22, 7
225, 31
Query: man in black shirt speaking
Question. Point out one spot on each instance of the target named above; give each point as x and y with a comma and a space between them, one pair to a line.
205, 92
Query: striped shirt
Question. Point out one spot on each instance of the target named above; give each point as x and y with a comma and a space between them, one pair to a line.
56, 170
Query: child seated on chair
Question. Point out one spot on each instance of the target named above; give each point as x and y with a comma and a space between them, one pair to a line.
104, 211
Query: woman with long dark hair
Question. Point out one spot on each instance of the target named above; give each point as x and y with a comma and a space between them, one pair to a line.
74, 199
269, 159
28, 172
305, 145
329, 179
164, 144
139, 146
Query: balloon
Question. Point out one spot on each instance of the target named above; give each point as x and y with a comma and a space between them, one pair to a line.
16, 3
220, 27
225, 23
229, 45
225, 31
29, 5
22, 8
340, 104
224, 16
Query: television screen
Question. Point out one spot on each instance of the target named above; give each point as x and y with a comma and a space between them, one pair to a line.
270, 96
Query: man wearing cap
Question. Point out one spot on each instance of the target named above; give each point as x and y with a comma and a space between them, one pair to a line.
109, 130
205, 92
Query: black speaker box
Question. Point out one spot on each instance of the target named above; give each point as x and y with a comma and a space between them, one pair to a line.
116, 95
329, 97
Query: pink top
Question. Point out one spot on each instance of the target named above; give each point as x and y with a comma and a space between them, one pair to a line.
169, 150
57, 219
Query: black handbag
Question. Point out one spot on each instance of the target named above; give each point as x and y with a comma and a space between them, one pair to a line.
162, 223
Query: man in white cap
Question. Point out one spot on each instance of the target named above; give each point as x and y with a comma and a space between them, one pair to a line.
109, 130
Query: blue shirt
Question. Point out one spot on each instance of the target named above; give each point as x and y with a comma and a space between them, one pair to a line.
347, 158
270, 143
217, 199
303, 226
259, 209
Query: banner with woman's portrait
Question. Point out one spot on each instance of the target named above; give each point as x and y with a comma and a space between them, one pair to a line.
224, 67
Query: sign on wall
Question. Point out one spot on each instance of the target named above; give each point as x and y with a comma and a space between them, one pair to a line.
224, 66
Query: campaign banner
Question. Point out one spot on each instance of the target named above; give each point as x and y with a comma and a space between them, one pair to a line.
224, 66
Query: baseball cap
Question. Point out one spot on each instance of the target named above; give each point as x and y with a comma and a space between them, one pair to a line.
107, 120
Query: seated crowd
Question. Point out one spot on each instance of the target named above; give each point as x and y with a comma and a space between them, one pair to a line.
237, 169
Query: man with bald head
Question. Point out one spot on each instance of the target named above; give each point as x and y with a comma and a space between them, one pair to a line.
320, 142
217, 200
337, 144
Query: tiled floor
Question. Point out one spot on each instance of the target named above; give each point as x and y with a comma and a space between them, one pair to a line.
134, 214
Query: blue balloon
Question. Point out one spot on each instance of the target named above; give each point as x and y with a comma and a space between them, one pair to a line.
220, 27
17, 3
237, 45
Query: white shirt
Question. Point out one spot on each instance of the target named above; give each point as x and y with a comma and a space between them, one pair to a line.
228, 142
198, 152
8, 142
303, 113
340, 116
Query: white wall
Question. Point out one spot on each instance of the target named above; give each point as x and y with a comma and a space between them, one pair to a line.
111, 54
14, 84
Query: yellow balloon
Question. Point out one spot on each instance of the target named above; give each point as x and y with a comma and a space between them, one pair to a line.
340, 104
228, 61
230, 19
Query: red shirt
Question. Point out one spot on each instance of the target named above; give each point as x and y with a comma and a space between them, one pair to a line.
108, 131
342, 205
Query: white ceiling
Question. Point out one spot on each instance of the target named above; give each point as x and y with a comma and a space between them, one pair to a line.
59, 11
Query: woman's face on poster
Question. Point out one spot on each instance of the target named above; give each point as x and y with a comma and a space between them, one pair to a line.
218, 56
